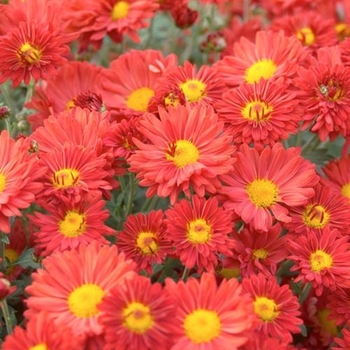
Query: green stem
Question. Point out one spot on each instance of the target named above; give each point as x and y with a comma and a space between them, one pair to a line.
185, 274
130, 200
7, 316
305, 292
309, 144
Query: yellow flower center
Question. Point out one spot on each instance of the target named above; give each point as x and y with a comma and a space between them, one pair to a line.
147, 242
2, 182
83, 301
70, 104
320, 260
326, 324
137, 317
194, 90
138, 100
230, 273
73, 224
120, 10
306, 36
202, 326
260, 253
345, 190
265, 308
198, 231
264, 68
315, 216
182, 153
65, 178
332, 89
41, 346
28, 54
171, 100
343, 30
257, 110
11, 255
262, 192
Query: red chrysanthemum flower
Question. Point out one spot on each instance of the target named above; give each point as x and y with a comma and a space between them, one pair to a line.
259, 251
272, 55
344, 342
338, 174
324, 94
312, 29
209, 316
19, 173
187, 149
137, 315
263, 187
321, 259
339, 301
120, 137
200, 232
68, 225
276, 306
131, 80
144, 240
202, 87
55, 95
280, 7
21, 233
261, 114
325, 209
79, 127
31, 51
238, 29
322, 327
73, 173
93, 20
42, 332
72, 284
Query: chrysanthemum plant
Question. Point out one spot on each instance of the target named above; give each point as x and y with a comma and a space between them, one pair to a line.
174, 174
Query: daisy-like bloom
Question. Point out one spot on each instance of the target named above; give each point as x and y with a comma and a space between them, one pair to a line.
42, 333
322, 327
79, 127
68, 225
137, 315
325, 209
338, 176
339, 306
144, 240
321, 259
276, 306
203, 87
187, 148
272, 55
260, 251
19, 173
72, 284
18, 238
238, 29
324, 94
120, 137
72, 173
261, 114
131, 80
93, 20
312, 29
209, 316
55, 95
35, 46
344, 342
200, 232
264, 186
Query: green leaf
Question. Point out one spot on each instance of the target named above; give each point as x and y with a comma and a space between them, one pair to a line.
28, 259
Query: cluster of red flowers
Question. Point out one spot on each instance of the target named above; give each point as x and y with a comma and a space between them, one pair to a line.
159, 195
